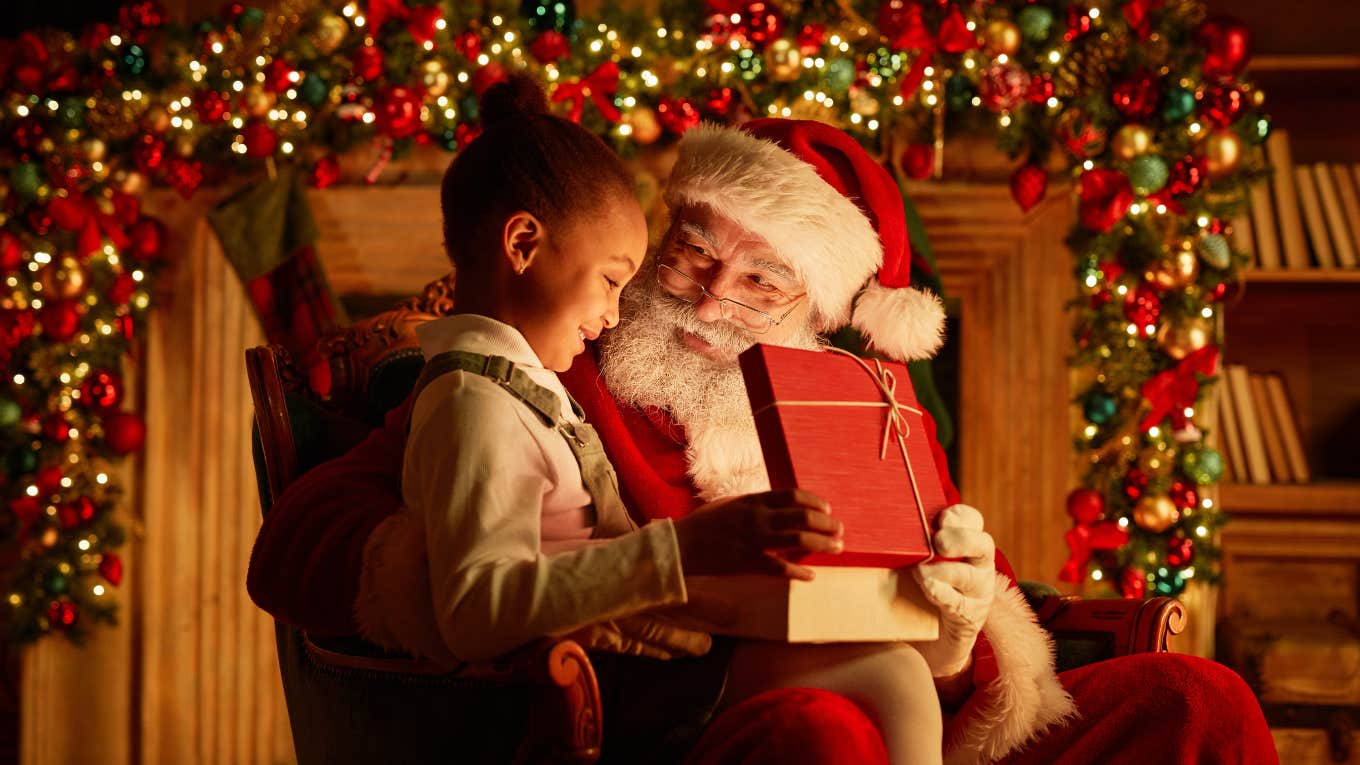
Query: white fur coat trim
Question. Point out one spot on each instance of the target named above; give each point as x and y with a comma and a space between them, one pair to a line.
774, 194
1026, 698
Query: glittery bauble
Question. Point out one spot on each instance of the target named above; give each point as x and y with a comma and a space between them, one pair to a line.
1131, 141
434, 77
1155, 513
124, 432
398, 112
1186, 176
260, 140
1135, 97
839, 74
1226, 43
1219, 105
63, 277
1178, 103
1142, 306
368, 62
677, 114
1079, 134
783, 60
1183, 336
1148, 174
1035, 22
257, 101
329, 33
1177, 268
644, 123
1183, 495
1222, 151
60, 319
1002, 87
111, 568
1180, 551
1203, 465
101, 390
550, 47
1215, 251
1001, 36
1085, 505
761, 23
210, 106
62, 615
313, 89
1099, 407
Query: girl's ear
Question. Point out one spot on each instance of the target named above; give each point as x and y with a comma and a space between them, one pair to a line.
522, 237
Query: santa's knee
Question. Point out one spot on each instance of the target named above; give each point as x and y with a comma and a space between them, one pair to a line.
790, 726
1174, 687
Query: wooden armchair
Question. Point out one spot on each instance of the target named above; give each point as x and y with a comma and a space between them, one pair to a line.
373, 366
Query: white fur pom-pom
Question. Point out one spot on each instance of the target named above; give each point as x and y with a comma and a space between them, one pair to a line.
905, 323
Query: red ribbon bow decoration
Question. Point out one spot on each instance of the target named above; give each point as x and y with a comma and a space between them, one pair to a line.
1171, 391
599, 86
1105, 198
1086, 538
954, 37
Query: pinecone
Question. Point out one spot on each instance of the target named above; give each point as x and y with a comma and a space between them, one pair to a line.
1087, 68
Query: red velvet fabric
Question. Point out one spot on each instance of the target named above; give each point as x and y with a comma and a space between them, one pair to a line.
791, 726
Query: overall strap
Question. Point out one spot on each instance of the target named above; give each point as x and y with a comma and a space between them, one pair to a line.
597, 474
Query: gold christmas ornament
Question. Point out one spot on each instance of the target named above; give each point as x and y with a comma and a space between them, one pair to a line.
330, 32
156, 119
258, 101
1182, 337
63, 278
93, 149
1131, 141
1001, 36
1155, 514
1177, 269
1222, 151
434, 77
646, 127
783, 61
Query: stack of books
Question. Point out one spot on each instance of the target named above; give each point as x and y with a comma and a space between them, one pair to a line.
1259, 430
1307, 217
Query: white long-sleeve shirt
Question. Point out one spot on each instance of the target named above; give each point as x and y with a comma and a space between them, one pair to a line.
506, 515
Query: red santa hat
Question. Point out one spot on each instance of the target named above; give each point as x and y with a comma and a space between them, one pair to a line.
829, 209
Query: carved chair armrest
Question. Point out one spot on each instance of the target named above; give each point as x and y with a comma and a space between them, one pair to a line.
1128, 626
564, 714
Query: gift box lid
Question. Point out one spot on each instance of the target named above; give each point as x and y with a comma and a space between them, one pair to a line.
826, 426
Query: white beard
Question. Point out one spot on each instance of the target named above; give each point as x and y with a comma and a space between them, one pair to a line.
646, 364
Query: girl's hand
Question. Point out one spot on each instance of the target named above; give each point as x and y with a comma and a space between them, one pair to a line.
758, 533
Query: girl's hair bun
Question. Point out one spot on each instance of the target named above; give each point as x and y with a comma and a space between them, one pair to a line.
518, 96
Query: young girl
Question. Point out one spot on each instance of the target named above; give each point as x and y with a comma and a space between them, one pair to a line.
524, 530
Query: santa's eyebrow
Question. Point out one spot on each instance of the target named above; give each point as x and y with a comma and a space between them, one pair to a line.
694, 229
778, 269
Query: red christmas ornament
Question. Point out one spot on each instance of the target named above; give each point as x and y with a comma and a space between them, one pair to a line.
550, 46
326, 171
1186, 176
111, 568
185, 175
31, 58
761, 23
1078, 22
1002, 87
147, 237
60, 319
1183, 495
1029, 183
398, 112
1226, 42
918, 160
48, 480
1142, 306
124, 325
1041, 88
11, 253
1133, 583
1180, 551
102, 390
84, 508
902, 23
423, 23
148, 153
368, 62
68, 212
141, 16
259, 139
718, 102
211, 106
124, 432
121, 289
1135, 97
279, 76
677, 114
1219, 105
1086, 506
955, 36
68, 516
1135, 483
62, 615
487, 76
469, 44
1105, 198
57, 429
810, 38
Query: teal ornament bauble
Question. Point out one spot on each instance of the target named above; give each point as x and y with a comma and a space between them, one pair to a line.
1099, 407
1179, 103
1148, 174
1168, 582
1259, 130
22, 461
55, 583
10, 412
884, 62
749, 63
1204, 465
839, 74
1214, 250
1035, 22
313, 90
26, 178
133, 60
250, 18
543, 15
71, 113
958, 92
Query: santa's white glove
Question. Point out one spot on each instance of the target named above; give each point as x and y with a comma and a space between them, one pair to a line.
962, 590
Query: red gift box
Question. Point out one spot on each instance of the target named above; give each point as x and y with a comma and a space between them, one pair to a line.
826, 425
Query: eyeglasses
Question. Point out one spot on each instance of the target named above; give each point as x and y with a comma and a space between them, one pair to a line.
687, 288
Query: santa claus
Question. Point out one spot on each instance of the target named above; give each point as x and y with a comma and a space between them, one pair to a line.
781, 231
